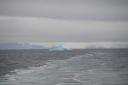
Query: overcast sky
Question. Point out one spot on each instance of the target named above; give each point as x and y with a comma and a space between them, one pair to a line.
63, 20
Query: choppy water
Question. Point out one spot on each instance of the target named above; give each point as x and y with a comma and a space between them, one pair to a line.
96, 67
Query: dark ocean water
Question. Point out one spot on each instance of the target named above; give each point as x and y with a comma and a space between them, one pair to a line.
76, 67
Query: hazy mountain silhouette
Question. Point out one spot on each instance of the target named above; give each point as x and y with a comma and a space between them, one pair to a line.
19, 46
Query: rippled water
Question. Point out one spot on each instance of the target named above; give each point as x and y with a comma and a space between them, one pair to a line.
93, 68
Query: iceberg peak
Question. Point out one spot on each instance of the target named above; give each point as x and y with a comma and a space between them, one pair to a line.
58, 48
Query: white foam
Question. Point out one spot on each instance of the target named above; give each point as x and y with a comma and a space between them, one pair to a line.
54, 71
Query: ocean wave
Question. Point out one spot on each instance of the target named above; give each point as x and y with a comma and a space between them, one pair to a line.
80, 70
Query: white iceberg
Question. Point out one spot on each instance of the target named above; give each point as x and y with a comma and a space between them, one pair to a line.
59, 48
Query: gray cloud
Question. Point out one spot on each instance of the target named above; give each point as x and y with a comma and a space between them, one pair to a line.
113, 10
21, 29
63, 20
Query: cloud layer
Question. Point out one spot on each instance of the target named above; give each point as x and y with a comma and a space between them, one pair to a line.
44, 29
63, 20
110, 10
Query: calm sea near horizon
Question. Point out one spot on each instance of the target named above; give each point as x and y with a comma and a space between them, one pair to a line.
74, 67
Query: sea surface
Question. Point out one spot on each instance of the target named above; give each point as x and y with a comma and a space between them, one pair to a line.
75, 67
